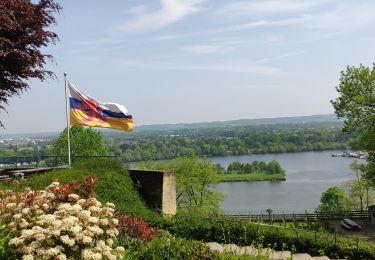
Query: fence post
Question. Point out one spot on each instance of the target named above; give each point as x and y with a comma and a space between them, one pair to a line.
315, 236
335, 238
357, 243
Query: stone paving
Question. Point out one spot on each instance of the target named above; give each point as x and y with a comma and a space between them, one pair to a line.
274, 255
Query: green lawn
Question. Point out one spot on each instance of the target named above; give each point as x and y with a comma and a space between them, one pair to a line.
114, 184
251, 177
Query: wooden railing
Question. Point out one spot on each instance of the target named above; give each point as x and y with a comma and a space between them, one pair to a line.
41, 161
304, 216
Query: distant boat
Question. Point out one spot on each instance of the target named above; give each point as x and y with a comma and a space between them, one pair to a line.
358, 155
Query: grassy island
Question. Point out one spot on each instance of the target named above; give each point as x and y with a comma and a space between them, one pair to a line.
252, 177
255, 171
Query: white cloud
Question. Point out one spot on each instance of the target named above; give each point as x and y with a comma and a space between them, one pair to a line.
170, 12
211, 48
268, 6
344, 19
238, 67
281, 56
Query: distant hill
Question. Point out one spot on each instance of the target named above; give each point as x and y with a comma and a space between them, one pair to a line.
239, 122
242, 122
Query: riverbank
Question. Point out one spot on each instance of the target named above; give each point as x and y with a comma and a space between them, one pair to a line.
234, 177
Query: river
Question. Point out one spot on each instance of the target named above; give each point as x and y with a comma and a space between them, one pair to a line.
308, 175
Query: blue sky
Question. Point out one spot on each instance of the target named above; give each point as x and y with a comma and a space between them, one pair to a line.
172, 61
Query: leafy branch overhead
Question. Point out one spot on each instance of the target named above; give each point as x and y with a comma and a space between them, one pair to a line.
23, 32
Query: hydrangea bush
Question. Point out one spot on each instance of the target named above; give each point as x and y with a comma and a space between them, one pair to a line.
56, 223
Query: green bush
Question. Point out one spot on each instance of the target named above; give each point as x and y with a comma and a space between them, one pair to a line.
169, 247
114, 184
230, 230
5, 236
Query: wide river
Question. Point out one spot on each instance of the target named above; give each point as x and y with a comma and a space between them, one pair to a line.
308, 175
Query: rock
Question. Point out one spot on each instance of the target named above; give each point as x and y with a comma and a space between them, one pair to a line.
301, 257
215, 247
232, 248
280, 255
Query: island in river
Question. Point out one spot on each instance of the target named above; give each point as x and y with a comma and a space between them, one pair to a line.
251, 171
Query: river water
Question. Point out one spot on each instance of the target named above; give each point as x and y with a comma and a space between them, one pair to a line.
308, 175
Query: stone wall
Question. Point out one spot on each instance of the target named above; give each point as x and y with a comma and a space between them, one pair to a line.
157, 188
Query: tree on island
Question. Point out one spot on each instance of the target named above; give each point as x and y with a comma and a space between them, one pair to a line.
83, 142
22, 35
356, 104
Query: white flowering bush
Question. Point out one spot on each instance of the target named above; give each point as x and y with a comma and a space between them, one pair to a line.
57, 224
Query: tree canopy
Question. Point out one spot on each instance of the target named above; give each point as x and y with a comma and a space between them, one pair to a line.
194, 177
356, 104
332, 200
83, 142
23, 32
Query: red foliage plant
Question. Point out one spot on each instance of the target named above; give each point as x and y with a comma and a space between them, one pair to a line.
86, 187
136, 228
63, 191
29, 198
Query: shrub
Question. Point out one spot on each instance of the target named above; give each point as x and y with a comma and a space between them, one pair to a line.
114, 184
231, 230
135, 227
56, 223
170, 247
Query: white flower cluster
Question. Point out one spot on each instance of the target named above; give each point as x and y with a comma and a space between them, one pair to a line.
49, 229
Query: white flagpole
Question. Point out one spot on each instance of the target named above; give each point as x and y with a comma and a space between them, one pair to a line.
67, 108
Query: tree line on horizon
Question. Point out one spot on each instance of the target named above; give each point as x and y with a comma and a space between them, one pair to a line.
238, 142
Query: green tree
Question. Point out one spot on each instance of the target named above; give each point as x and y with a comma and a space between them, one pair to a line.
6, 152
359, 190
356, 104
194, 177
274, 167
83, 142
332, 200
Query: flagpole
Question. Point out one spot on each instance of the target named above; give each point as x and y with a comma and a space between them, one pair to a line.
67, 108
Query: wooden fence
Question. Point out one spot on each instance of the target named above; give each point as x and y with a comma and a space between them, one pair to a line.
303, 216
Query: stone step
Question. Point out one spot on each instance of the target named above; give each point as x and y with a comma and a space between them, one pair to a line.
301, 257
280, 255
250, 250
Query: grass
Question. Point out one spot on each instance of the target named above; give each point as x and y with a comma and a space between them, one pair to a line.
251, 177
114, 183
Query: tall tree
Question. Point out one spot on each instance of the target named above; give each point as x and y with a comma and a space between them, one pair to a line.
194, 179
332, 200
359, 191
356, 104
23, 32
84, 142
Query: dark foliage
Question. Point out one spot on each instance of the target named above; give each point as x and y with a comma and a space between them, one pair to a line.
22, 34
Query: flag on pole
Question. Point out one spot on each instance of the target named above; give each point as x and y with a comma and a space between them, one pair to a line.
87, 111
